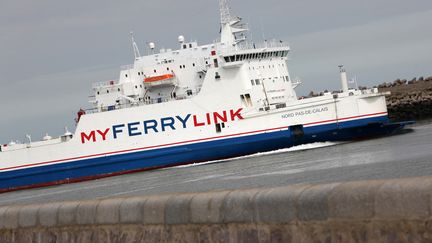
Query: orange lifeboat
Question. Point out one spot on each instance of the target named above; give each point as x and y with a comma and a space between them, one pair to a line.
158, 78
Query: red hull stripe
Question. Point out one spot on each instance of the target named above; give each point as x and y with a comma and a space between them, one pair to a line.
183, 142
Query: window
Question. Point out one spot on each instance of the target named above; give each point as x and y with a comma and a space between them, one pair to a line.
126, 75
154, 70
218, 127
139, 73
107, 91
216, 64
118, 89
167, 68
193, 64
257, 82
246, 100
190, 45
252, 82
184, 46
217, 76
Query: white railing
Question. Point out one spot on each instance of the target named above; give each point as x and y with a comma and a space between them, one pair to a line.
251, 45
105, 83
126, 67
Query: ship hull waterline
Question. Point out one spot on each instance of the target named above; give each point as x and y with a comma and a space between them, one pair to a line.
206, 150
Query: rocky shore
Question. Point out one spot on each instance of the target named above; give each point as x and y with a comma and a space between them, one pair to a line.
409, 100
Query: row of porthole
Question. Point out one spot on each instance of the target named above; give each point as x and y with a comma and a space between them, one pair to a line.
155, 71
259, 67
118, 89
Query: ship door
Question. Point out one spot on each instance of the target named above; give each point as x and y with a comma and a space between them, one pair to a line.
297, 133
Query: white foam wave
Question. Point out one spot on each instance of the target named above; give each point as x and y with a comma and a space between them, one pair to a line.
285, 150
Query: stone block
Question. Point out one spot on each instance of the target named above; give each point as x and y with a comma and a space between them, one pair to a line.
205, 207
131, 210
238, 207
67, 213
86, 212
28, 216
404, 199
154, 209
10, 218
3, 211
108, 211
277, 205
353, 200
177, 209
48, 214
313, 202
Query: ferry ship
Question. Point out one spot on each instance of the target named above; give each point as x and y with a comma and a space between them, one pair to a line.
193, 104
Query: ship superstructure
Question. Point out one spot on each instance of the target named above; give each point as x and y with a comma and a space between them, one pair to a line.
193, 104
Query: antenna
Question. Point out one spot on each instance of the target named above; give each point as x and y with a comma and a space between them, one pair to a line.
230, 26
135, 47
224, 12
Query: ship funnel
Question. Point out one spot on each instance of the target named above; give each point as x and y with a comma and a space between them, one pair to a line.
344, 79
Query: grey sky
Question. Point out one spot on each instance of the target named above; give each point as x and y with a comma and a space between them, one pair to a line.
51, 51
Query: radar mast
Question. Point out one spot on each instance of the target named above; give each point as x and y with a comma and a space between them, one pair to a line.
231, 27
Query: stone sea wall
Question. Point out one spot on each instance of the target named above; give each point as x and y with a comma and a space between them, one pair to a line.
397, 210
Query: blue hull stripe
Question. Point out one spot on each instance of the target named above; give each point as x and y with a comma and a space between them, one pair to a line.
190, 153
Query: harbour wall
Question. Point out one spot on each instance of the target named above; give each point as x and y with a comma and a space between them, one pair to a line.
409, 100
397, 210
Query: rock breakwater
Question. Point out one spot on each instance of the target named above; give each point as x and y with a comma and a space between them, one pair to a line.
409, 100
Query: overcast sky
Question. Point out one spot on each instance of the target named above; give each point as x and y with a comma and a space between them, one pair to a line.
51, 51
